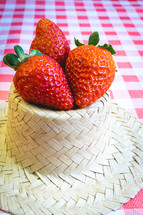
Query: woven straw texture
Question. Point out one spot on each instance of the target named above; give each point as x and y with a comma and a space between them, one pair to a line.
59, 141
111, 176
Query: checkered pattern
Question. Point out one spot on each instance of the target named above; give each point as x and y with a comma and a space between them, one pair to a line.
119, 23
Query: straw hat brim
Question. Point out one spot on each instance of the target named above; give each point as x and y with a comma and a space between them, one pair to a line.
23, 192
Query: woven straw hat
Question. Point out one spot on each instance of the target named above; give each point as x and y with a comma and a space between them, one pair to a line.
86, 161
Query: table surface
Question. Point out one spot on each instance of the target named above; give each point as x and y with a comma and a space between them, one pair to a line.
119, 23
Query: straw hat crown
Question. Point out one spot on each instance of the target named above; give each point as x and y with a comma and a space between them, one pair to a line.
61, 141
77, 162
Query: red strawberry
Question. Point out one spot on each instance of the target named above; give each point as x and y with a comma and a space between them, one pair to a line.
51, 41
40, 79
90, 71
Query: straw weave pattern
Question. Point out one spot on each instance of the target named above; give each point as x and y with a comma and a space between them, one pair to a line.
105, 182
59, 141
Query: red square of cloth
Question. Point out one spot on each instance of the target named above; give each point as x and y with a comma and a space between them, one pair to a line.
137, 202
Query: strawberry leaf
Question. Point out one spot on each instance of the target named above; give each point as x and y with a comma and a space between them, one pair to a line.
94, 39
108, 47
35, 52
26, 55
19, 51
77, 43
11, 60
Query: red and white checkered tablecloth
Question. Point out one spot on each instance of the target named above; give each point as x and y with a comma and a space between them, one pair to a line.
119, 22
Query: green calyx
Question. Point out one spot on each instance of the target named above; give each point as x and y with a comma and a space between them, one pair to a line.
94, 40
15, 60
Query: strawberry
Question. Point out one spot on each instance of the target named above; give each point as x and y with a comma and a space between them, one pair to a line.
40, 79
51, 41
90, 70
